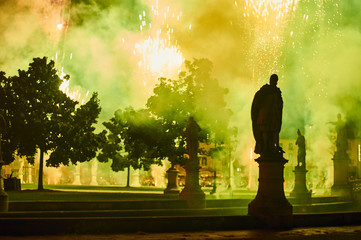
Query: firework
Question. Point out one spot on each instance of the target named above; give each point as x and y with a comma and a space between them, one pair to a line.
158, 54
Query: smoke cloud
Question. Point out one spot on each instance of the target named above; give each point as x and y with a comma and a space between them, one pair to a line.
314, 48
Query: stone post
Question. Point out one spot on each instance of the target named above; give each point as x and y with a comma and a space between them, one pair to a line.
77, 175
341, 185
270, 203
135, 178
192, 191
300, 191
94, 171
4, 200
172, 186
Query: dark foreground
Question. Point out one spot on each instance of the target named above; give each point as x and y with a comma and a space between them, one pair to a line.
135, 214
329, 233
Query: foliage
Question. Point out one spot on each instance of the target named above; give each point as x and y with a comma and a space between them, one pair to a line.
78, 141
133, 139
195, 94
40, 116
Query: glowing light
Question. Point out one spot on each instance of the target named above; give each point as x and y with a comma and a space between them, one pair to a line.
65, 88
59, 26
157, 52
267, 21
159, 55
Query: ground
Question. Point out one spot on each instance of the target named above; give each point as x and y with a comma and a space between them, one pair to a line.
329, 233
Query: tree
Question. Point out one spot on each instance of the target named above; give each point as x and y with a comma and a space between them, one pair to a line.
78, 141
40, 116
132, 141
194, 94
8, 109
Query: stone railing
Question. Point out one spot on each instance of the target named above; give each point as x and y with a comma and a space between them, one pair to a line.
356, 185
356, 190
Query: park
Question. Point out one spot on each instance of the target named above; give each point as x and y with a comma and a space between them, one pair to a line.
150, 116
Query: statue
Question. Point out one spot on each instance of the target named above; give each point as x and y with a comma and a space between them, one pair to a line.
341, 186
341, 138
301, 154
270, 203
300, 191
192, 191
266, 116
191, 134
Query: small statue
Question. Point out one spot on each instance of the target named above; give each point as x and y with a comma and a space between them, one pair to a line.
191, 134
301, 154
341, 138
266, 116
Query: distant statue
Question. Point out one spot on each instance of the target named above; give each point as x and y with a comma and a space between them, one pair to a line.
301, 154
341, 138
266, 116
191, 134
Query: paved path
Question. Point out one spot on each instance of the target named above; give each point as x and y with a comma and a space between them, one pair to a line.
329, 233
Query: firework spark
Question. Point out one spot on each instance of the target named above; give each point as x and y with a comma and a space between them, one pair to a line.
158, 54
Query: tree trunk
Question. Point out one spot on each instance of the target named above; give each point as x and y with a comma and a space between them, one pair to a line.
128, 177
41, 171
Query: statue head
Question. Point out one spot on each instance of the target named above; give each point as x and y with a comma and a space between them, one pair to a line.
298, 132
339, 116
273, 80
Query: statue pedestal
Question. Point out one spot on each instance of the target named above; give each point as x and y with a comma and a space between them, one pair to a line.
300, 191
172, 186
4, 199
192, 192
270, 203
135, 178
341, 185
77, 175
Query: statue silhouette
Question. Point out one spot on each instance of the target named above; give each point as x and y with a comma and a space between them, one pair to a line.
301, 154
191, 134
341, 139
266, 116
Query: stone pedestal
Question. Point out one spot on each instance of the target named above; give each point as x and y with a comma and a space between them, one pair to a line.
300, 191
270, 203
77, 175
94, 171
135, 178
341, 185
4, 199
192, 191
172, 186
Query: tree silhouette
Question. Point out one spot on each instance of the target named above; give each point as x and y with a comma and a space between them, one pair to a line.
40, 116
133, 140
195, 93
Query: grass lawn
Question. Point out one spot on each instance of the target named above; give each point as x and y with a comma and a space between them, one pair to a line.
102, 193
86, 193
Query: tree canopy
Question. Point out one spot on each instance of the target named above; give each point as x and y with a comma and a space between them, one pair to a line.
195, 93
133, 139
40, 116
